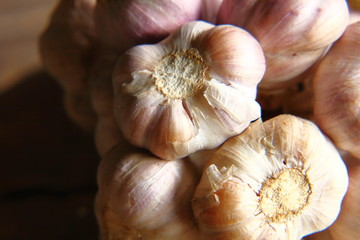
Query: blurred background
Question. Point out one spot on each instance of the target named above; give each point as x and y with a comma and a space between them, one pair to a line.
48, 165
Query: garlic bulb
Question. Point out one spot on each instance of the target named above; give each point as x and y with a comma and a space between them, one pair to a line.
66, 51
190, 92
347, 225
281, 179
337, 92
143, 197
293, 34
123, 24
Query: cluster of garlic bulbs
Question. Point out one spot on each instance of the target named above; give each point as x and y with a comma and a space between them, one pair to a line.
215, 119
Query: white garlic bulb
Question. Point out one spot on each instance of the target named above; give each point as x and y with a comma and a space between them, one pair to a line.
190, 92
337, 92
278, 180
143, 197
293, 34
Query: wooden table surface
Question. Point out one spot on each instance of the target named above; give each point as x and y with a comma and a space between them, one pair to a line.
48, 165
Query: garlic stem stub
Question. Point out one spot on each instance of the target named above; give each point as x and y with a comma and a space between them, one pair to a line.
282, 179
189, 92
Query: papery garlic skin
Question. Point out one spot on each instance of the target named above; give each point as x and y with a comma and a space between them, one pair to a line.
123, 24
354, 16
347, 225
190, 92
285, 164
293, 33
337, 92
143, 197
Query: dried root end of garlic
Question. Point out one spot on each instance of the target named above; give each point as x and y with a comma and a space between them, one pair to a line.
190, 92
284, 195
180, 74
281, 179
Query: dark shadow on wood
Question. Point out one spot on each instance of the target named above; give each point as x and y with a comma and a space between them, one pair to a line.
48, 166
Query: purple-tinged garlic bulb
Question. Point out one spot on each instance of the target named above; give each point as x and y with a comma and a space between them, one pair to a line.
143, 197
293, 33
189, 92
337, 92
123, 24
279, 180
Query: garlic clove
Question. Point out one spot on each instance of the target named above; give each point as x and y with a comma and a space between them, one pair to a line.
143, 197
210, 10
230, 113
347, 225
282, 179
336, 92
279, 25
181, 99
233, 62
123, 24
